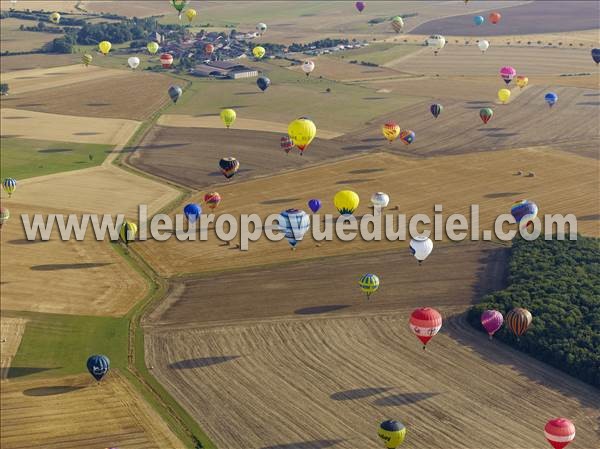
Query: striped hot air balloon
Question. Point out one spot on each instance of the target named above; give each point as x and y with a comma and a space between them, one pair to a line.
287, 144
229, 166
425, 323
559, 432
436, 109
407, 136
486, 114
166, 60
87, 59
507, 73
9, 185
524, 209
397, 24
128, 231
294, 223
212, 199
4, 215
369, 283
390, 131
518, 320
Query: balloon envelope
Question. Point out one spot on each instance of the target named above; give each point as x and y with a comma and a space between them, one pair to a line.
258, 52
421, 247
192, 212
212, 199
55, 17
407, 136
166, 59
308, 66
425, 323
551, 98
483, 45
397, 24
346, 201
87, 59
486, 114
507, 73
380, 199
98, 366
294, 223
436, 109
495, 17
369, 283
596, 55
228, 116
128, 231
286, 144
104, 47
522, 81
518, 320
133, 62
314, 205
437, 42
392, 433
524, 209
391, 131
261, 27
209, 49
229, 166
4, 215
302, 131
559, 432
9, 185
175, 93
478, 20
504, 95
360, 6
152, 47
491, 320
191, 14
263, 83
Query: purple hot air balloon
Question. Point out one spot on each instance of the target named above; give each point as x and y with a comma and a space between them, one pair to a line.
314, 205
491, 320
360, 6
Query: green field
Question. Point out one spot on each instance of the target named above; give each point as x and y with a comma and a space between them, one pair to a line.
25, 158
378, 53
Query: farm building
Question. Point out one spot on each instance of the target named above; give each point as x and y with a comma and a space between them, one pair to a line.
224, 69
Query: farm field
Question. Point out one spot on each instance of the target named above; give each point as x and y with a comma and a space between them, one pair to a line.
415, 185
11, 331
327, 356
60, 5
13, 39
35, 61
73, 411
378, 53
25, 158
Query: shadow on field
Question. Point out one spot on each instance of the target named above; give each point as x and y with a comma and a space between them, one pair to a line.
314, 444
354, 181
55, 150
320, 309
502, 194
364, 171
10, 136
31, 105
16, 117
279, 201
247, 93
592, 217
374, 98
202, 362
88, 133
402, 399
491, 129
360, 147
502, 134
69, 266
50, 391
592, 95
97, 105
18, 371
358, 393
373, 139
25, 242
588, 103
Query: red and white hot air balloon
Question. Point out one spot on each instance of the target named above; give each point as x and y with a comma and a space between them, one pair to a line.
559, 432
425, 323
166, 60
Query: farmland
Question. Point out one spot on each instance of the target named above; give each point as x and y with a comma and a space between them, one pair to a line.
14, 39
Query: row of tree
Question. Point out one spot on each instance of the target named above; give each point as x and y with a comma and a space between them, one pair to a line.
559, 283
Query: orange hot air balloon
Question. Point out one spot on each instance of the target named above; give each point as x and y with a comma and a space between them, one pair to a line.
209, 49
495, 17
212, 199
518, 320
425, 323
166, 60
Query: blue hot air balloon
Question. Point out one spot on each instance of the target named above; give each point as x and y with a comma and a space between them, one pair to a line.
436, 109
522, 209
294, 223
98, 366
478, 20
314, 205
551, 98
192, 212
596, 55
263, 83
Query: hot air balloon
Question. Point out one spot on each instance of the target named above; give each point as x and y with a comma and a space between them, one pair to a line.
104, 47
209, 49
380, 199
390, 131
302, 131
258, 52
261, 28
179, 5
483, 45
314, 205
228, 117
98, 366
369, 283
346, 201
407, 136
524, 209
425, 323
495, 17
436, 109
286, 144
263, 83
229, 166
166, 60
212, 199
4, 215
478, 20
191, 14
507, 74
504, 95
486, 114
192, 212
152, 47
308, 66
596, 55
175, 93
437, 42
397, 24
522, 81
9, 185
360, 6
55, 17
133, 62
551, 98
559, 432
421, 247
491, 320
128, 231
518, 320
392, 433
87, 59
294, 223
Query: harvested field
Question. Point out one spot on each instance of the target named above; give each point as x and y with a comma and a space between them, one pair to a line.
564, 183
132, 95
75, 277
37, 5
73, 411
35, 61
13, 39
64, 128
325, 379
11, 331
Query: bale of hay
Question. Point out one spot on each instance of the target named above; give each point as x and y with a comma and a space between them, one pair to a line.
531, 174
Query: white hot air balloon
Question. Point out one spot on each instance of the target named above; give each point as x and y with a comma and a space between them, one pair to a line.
483, 45
379, 200
308, 66
133, 62
421, 247
437, 42
261, 28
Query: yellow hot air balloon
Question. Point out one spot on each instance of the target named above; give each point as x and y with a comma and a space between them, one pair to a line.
152, 47
228, 116
55, 17
87, 59
392, 433
346, 201
503, 95
390, 131
258, 52
522, 81
128, 231
191, 14
104, 47
302, 131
